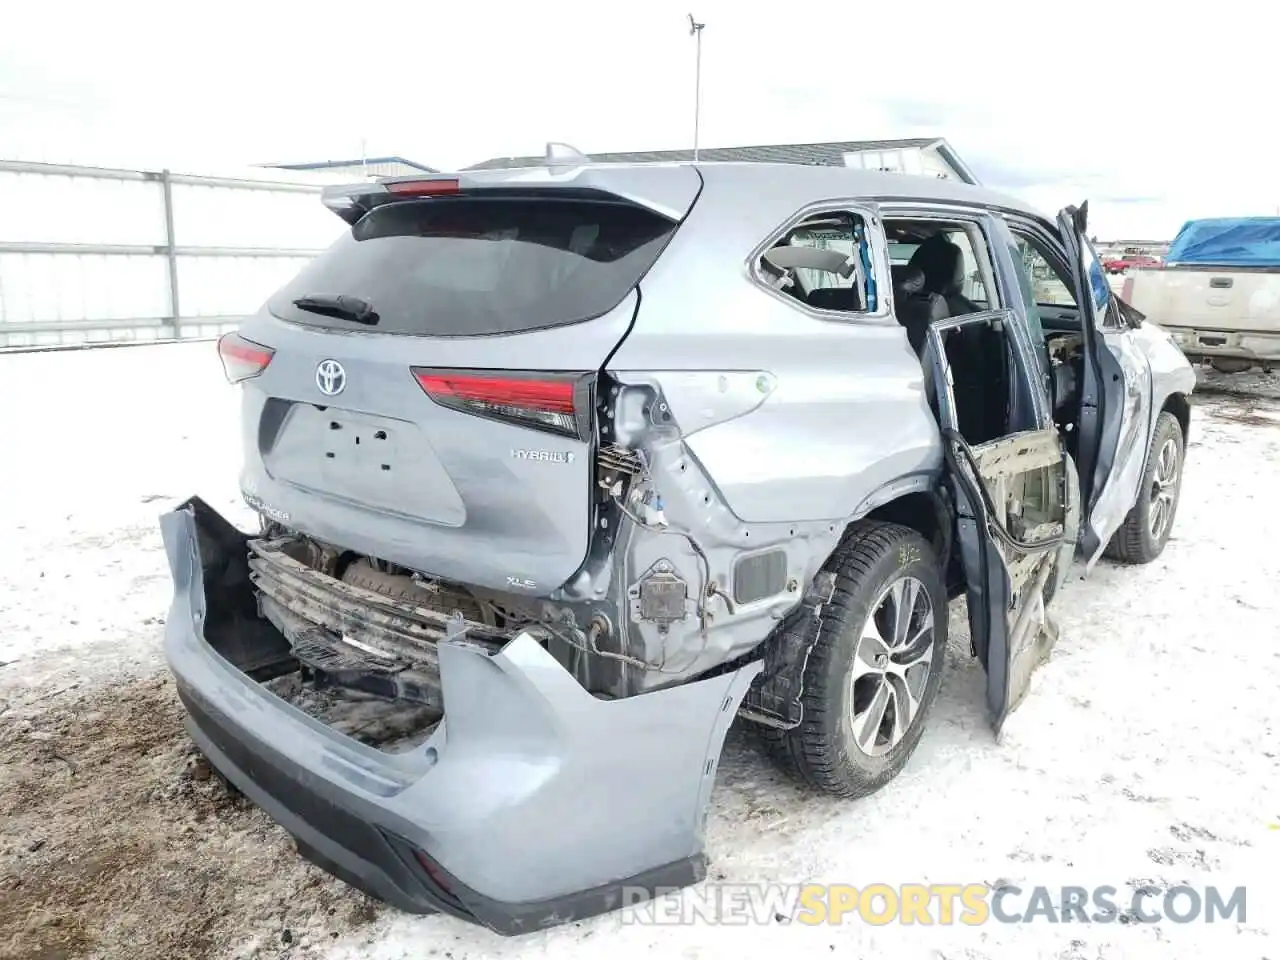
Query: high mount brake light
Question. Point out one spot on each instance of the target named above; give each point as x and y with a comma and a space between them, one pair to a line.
550, 402
422, 188
242, 359
352, 203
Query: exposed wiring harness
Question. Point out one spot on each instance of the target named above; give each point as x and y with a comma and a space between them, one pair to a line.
570, 635
707, 587
590, 645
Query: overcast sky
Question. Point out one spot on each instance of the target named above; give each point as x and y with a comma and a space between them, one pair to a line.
1156, 113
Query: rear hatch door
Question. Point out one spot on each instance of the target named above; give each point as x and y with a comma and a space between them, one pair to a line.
430, 395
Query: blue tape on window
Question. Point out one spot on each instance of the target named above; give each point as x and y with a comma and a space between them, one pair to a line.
864, 254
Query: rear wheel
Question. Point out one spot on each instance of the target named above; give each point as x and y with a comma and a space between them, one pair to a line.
1146, 529
876, 664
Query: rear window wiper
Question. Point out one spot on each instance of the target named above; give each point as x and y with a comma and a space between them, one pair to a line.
340, 305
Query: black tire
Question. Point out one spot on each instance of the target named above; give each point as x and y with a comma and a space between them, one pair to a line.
1229, 365
822, 751
1135, 541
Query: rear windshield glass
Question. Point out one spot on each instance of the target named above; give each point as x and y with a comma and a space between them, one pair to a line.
467, 266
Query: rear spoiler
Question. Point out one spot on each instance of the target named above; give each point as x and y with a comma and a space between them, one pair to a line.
353, 201
667, 189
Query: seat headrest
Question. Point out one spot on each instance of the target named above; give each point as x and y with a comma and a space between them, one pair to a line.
908, 280
834, 298
942, 263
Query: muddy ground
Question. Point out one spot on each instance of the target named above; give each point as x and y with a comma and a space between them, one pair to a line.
1254, 384
116, 841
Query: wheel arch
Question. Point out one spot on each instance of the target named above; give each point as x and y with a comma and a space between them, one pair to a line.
1179, 404
806, 736
916, 501
922, 511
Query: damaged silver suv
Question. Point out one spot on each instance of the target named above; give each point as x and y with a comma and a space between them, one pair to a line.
562, 469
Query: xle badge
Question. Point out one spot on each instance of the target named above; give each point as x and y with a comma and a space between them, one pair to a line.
545, 456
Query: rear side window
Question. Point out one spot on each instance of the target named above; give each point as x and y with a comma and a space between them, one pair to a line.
472, 266
825, 262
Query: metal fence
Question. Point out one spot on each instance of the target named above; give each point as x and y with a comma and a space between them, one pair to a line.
93, 256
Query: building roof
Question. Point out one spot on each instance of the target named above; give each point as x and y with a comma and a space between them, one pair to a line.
329, 164
814, 154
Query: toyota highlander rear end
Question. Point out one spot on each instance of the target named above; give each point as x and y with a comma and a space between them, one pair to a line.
423, 665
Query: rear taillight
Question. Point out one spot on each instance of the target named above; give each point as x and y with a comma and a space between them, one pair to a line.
557, 402
1126, 290
241, 358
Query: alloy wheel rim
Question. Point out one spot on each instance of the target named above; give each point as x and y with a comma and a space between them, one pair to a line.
891, 666
1164, 489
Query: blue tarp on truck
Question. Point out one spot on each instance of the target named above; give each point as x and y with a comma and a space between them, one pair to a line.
1228, 242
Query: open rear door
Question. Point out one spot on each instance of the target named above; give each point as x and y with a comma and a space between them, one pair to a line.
1017, 516
1115, 395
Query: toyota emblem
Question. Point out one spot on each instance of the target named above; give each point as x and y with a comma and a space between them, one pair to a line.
331, 378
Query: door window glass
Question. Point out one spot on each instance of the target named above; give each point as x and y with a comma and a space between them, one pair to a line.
1047, 287
1099, 289
1034, 324
974, 288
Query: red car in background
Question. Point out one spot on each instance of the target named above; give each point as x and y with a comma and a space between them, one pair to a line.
1126, 262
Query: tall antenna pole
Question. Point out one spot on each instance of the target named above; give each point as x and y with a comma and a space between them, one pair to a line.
695, 31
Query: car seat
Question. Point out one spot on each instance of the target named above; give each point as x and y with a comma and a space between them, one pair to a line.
942, 263
914, 306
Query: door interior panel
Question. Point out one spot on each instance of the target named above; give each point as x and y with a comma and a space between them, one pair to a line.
1013, 513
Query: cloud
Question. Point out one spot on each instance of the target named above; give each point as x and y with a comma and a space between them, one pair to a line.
1108, 198
921, 113
999, 173
448, 86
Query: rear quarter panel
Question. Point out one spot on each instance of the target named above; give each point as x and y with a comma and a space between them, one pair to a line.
846, 414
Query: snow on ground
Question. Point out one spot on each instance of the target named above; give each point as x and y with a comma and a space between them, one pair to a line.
1147, 752
97, 444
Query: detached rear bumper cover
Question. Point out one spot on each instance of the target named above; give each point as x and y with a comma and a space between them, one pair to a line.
539, 803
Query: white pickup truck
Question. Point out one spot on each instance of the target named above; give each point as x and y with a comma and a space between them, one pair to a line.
1218, 292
